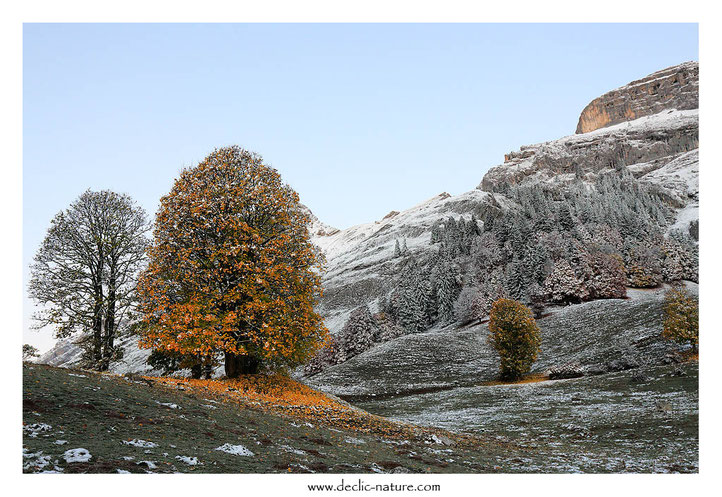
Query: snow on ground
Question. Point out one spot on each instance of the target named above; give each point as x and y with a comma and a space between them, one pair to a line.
77, 455
35, 429
416, 220
136, 442
290, 449
190, 461
522, 163
685, 217
35, 460
236, 450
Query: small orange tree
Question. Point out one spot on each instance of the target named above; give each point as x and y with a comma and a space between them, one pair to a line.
515, 336
232, 268
681, 317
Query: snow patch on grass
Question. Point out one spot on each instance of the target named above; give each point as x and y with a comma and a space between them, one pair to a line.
77, 455
288, 448
189, 460
36, 428
236, 450
35, 460
136, 442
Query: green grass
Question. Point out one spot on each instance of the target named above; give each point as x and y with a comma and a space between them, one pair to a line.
99, 412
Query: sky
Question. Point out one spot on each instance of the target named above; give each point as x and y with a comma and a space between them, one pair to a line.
360, 119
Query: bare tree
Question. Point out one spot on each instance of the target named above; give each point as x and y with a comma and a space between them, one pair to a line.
85, 272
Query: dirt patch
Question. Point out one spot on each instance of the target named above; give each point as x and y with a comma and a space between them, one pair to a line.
115, 414
103, 466
37, 405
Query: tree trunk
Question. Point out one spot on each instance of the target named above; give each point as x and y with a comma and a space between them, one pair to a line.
97, 348
109, 338
237, 365
196, 371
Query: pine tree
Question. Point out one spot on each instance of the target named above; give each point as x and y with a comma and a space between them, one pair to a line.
516, 282
447, 289
359, 333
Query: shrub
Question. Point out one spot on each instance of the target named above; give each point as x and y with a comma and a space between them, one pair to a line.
681, 317
515, 336
30, 352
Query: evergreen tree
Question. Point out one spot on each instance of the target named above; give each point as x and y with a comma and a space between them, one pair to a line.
447, 289
359, 333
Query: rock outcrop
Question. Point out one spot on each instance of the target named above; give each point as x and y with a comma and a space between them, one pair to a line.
675, 87
647, 143
650, 127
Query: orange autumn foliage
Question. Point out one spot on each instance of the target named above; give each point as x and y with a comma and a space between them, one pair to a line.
276, 389
232, 268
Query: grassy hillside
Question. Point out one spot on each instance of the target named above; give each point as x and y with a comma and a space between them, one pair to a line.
137, 425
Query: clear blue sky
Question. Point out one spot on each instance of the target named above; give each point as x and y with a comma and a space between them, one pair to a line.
359, 119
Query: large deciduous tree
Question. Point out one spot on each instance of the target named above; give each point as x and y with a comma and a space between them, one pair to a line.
232, 268
84, 274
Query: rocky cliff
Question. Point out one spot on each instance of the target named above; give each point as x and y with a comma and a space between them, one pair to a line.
675, 87
657, 142
642, 145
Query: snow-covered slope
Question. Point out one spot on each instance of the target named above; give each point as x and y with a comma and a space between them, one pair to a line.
361, 265
642, 145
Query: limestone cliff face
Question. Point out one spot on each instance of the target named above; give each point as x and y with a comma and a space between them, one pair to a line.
642, 145
642, 126
675, 87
